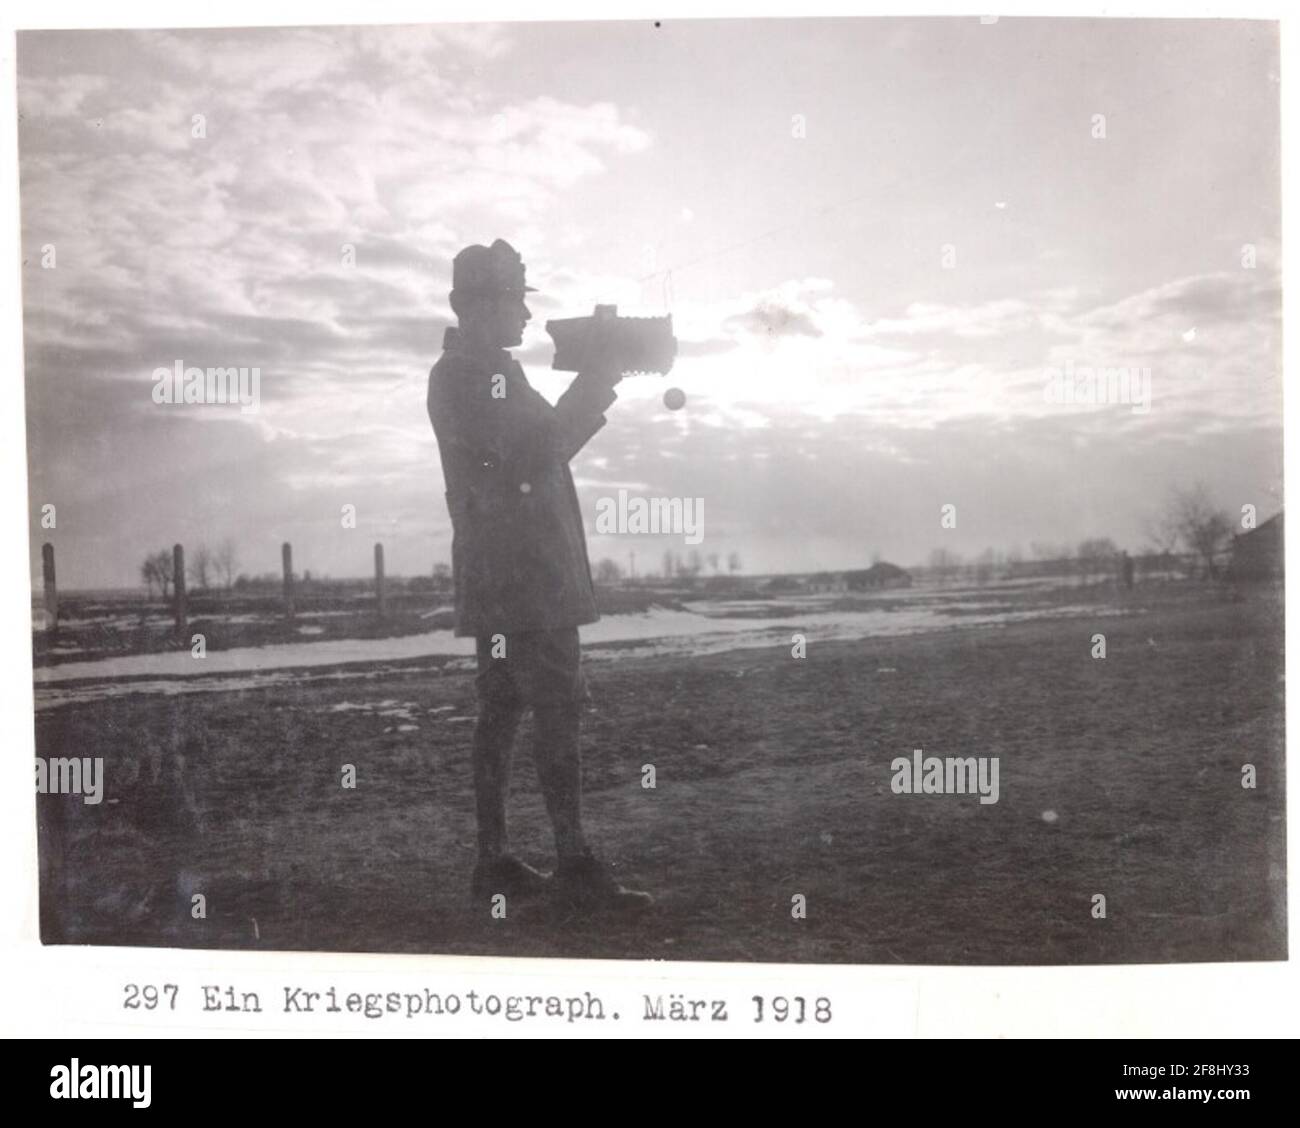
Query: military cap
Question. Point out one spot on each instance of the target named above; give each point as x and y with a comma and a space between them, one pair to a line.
497, 269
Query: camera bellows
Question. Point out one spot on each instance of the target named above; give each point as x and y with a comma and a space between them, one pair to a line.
639, 344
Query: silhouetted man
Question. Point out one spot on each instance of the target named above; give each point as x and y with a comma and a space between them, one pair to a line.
521, 573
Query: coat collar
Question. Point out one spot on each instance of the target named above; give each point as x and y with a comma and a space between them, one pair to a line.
453, 342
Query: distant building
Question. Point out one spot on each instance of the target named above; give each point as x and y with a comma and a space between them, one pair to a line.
823, 582
879, 575
1259, 554
782, 583
831, 583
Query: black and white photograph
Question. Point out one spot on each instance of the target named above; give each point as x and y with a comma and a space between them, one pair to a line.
770, 491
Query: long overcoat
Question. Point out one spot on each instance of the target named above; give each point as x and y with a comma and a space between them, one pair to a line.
519, 552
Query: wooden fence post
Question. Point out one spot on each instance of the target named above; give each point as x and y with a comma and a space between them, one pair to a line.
286, 556
178, 587
51, 590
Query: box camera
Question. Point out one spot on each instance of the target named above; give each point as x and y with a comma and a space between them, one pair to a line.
638, 344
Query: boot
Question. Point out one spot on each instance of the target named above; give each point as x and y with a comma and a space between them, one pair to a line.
584, 882
504, 873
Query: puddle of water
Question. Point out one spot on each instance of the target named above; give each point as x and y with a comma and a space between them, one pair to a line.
658, 632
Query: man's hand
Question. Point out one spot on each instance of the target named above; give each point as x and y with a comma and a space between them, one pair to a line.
601, 361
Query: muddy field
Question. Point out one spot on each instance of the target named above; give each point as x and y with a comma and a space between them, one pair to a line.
1119, 776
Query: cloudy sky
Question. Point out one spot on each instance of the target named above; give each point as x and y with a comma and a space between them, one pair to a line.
876, 239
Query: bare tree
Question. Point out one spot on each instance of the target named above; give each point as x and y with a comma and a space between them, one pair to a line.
202, 566
985, 562
714, 561
1045, 550
148, 574
1096, 554
157, 569
944, 563
1203, 529
733, 562
226, 562
608, 571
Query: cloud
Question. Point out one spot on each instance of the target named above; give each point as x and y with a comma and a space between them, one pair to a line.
711, 347
307, 227
772, 319
286, 198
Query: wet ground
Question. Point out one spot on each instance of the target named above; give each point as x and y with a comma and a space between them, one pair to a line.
1118, 776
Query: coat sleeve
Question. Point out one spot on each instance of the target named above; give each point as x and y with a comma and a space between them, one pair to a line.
581, 411
519, 432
